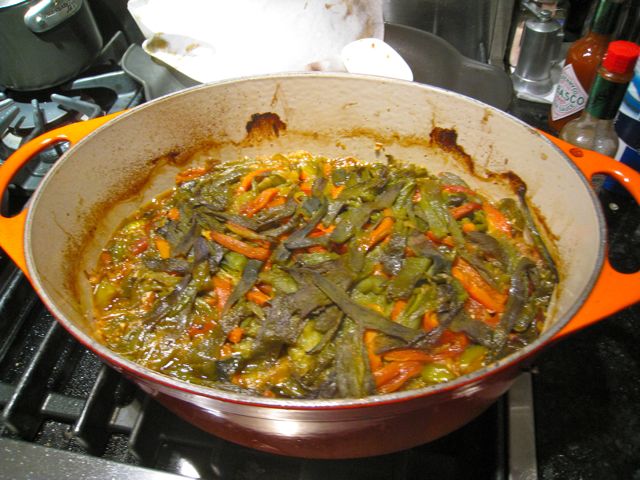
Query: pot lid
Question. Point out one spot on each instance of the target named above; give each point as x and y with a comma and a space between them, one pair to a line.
11, 3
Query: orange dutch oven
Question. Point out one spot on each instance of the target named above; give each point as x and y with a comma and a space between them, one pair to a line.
117, 163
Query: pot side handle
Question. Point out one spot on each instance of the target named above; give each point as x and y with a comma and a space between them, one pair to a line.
613, 290
12, 228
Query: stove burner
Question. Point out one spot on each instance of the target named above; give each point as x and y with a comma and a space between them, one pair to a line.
81, 99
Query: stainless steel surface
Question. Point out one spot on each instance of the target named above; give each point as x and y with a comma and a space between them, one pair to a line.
33, 61
432, 60
436, 62
522, 433
157, 80
476, 29
25, 461
538, 52
48, 14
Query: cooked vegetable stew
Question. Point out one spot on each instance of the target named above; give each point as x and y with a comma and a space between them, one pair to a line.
300, 276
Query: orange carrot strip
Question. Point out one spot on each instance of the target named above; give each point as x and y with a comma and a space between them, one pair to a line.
223, 288
190, 174
235, 335
257, 297
477, 288
326, 169
163, 247
448, 241
429, 321
465, 209
496, 219
395, 374
317, 249
375, 361
335, 190
306, 188
276, 202
383, 230
247, 180
254, 206
408, 355
398, 307
321, 230
259, 253
468, 227
173, 214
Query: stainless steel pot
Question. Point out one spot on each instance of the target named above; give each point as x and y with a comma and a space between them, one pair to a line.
131, 158
44, 43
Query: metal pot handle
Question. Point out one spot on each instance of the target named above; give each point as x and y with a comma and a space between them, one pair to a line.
12, 228
613, 290
48, 14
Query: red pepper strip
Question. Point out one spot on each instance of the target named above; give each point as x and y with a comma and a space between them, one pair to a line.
140, 246
259, 253
452, 343
497, 221
464, 210
477, 311
200, 329
477, 288
262, 200
395, 374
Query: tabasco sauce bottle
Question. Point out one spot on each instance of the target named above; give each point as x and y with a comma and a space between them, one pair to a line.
581, 65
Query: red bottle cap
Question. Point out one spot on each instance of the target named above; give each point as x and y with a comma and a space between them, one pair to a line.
621, 57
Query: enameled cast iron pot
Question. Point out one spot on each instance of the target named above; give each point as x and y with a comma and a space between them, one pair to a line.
112, 170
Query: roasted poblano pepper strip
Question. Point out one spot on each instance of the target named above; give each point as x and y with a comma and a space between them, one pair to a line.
353, 375
432, 207
248, 279
412, 271
370, 318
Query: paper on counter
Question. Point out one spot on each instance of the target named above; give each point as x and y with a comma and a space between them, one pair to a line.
210, 40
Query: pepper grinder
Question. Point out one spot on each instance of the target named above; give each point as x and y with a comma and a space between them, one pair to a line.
538, 52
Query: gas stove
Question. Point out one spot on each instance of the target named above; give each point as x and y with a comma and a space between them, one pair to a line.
104, 88
65, 414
